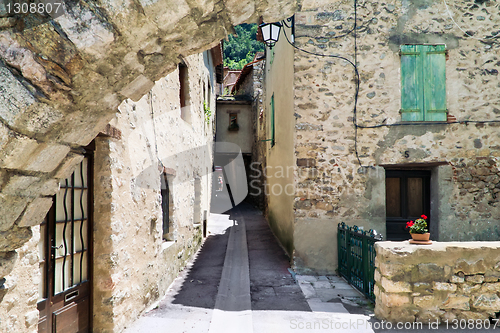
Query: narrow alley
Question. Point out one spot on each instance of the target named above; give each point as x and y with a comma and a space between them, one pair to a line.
241, 281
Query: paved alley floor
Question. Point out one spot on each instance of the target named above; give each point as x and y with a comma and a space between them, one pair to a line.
241, 281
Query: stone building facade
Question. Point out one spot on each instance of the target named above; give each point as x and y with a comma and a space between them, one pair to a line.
137, 247
62, 81
367, 157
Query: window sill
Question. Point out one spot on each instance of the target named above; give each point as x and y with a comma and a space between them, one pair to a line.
197, 225
166, 244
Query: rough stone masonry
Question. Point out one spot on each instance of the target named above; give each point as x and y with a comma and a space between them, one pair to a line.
63, 79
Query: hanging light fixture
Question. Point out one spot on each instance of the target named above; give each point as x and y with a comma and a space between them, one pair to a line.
270, 33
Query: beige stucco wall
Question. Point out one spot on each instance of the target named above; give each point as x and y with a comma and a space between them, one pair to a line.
280, 168
133, 265
334, 187
243, 137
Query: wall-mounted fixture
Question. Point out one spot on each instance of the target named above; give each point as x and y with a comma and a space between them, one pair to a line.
271, 31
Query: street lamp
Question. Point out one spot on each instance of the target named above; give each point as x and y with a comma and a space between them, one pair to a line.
270, 33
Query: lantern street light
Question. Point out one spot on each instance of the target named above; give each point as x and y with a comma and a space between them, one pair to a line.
270, 33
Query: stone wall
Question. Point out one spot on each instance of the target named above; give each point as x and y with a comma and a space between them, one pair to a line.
257, 178
133, 264
243, 137
463, 154
19, 287
444, 281
62, 81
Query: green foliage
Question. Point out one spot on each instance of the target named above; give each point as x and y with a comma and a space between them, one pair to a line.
207, 111
240, 50
419, 226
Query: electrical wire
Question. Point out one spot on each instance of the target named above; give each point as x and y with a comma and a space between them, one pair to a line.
465, 32
353, 64
356, 95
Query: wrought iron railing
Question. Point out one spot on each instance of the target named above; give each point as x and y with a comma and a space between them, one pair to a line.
356, 253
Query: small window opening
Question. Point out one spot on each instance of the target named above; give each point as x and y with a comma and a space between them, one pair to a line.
233, 122
184, 93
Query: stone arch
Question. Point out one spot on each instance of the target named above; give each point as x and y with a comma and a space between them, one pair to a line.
63, 79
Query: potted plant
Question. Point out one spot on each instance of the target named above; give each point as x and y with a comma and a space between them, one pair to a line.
418, 229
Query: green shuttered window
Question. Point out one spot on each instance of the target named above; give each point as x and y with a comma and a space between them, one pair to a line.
423, 83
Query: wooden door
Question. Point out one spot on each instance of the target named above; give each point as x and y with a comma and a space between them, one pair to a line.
65, 256
407, 197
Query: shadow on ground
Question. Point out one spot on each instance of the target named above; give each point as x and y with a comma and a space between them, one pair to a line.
200, 286
272, 286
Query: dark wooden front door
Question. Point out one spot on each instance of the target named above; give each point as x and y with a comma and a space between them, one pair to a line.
407, 197
65, 256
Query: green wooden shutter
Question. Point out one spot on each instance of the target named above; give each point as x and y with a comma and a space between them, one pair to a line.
272, 121
412, 106
434, 79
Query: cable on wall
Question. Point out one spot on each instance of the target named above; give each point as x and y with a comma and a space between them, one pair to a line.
465, 32
357, 80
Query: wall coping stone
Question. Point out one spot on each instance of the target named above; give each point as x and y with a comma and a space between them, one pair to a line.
404, 247
437, 280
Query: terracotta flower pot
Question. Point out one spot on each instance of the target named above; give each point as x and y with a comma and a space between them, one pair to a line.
420, 237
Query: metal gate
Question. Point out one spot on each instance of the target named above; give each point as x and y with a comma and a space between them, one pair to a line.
356, 254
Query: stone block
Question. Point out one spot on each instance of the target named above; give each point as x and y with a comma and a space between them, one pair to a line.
377, 276
38, 118
474, 278
422, 287
4, 136
444, 286
470, 267
47, 157
18, 145
473, 315
20, 185
50, 187
68, 166
137, 88
395, 286
11, 208
454, 301
395, 300
487, 302
430, 316
15, 98
7, 261
490, 288
457, 279
14, 238
426, 302
323, 206
377, 292
468, 289
35, 212
491, 276
306, 162
430, 272
391, 270
401, 315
